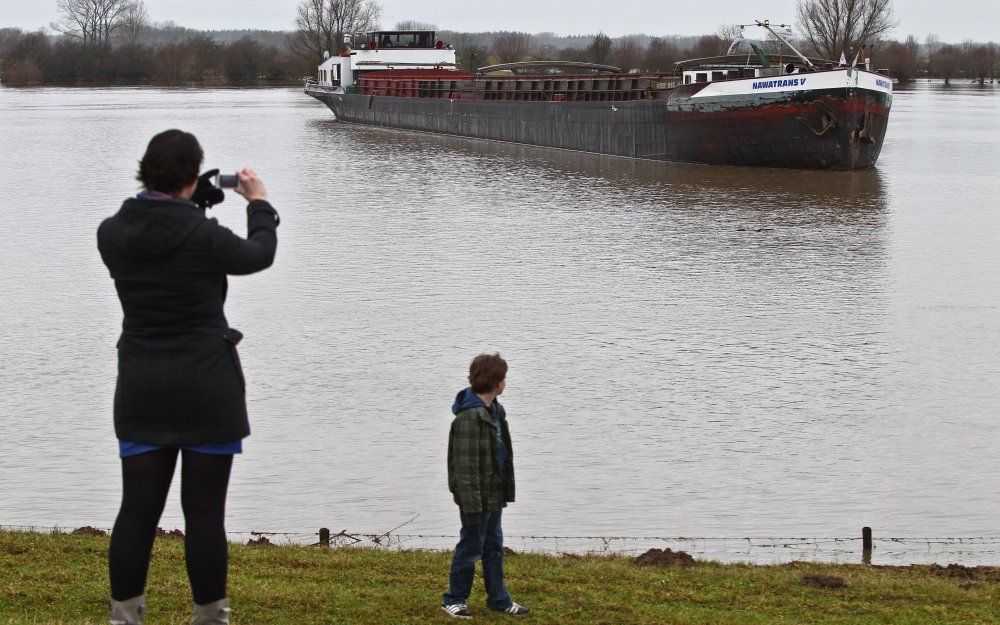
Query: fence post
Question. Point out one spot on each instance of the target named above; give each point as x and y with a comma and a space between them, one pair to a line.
866, 545
324, 537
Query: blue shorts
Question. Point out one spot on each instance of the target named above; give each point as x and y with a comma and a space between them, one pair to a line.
126, 448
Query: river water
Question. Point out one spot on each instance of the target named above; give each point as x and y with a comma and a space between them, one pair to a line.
695, 351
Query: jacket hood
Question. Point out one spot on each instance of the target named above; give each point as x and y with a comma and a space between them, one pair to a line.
467, 399
152, 229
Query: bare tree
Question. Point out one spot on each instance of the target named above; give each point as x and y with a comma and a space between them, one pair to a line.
135, 22
511, 47
77, 19
628, 53
730, 32
932, 44
709, 45
835, 26
900, 59
322, 24
599, 50
661, 55
415, 25
470, 54
9, 37
95, 22
946, 62
980, 59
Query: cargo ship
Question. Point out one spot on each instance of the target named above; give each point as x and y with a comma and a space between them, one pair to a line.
745, 109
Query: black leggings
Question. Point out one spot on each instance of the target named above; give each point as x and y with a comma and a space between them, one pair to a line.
146, 479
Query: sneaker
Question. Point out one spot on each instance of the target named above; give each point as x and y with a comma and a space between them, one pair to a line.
516, 609
457, 610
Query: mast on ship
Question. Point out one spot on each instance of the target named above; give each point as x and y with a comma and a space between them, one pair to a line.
767, 24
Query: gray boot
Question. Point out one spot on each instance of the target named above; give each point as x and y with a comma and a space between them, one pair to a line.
215, 613
129, 612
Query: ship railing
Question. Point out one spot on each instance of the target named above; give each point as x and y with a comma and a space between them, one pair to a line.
537, 89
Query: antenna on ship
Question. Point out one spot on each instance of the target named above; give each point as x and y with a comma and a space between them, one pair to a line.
767, 24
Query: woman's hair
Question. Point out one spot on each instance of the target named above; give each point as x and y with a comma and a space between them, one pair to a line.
171, 162
487, 372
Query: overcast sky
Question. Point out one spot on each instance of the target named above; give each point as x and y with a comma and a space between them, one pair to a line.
963, 19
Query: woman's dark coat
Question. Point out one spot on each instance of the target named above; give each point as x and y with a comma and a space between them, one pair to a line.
179, 376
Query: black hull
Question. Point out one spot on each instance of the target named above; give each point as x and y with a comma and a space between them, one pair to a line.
824, 129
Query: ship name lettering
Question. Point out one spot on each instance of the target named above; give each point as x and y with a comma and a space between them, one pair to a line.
786, 82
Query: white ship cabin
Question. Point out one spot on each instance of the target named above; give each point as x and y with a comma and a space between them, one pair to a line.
754, 58
382, 50
726, 68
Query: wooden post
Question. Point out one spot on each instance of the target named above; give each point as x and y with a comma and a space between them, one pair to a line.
324, 537
866, 545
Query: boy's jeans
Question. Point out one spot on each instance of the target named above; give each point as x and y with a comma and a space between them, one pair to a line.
483, 541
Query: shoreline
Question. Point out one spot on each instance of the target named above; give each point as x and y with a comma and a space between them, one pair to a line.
62, 578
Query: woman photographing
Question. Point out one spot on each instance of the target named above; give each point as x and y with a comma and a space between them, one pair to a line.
180, 389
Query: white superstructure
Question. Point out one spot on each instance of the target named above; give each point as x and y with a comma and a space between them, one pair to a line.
383, 50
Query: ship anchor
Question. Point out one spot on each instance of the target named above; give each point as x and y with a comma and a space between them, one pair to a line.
828, 121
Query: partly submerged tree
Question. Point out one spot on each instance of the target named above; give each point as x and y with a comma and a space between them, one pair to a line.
322, 24
836, 26
980, 60
946, 62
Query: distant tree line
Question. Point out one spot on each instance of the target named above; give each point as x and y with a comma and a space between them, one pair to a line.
32, 59
113, 42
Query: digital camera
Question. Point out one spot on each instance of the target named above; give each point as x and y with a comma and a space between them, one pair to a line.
224, 181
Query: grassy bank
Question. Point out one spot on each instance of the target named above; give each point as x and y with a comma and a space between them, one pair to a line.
48, 579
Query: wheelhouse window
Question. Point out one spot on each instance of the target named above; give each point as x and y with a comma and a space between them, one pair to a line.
402, 39
701, 77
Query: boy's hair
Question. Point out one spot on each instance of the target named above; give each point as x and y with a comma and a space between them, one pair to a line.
487, 372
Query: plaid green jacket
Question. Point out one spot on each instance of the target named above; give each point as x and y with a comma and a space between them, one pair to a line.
473, 469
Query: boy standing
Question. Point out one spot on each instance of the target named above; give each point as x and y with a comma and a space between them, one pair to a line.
481, 480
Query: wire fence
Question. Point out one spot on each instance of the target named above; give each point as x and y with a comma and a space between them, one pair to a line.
892, 550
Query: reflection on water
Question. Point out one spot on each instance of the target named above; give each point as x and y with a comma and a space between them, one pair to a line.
695, 350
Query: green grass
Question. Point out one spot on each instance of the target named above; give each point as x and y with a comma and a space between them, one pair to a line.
59, 578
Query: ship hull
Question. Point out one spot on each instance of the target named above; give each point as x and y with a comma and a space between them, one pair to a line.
838, 128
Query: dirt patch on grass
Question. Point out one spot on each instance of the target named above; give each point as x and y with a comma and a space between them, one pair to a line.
954, 571
87, 530
174, 533
665, 557
830, 582
988, 573
260, 541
